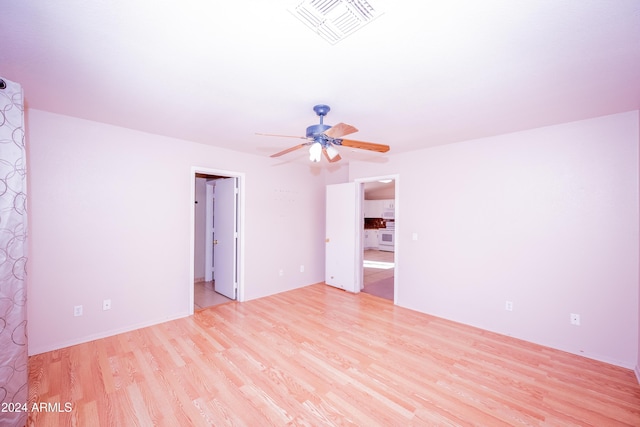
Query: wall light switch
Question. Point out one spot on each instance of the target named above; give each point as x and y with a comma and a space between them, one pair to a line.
106, 304
77, 310
414, 236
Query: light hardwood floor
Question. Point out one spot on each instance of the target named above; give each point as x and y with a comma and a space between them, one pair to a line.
321, 356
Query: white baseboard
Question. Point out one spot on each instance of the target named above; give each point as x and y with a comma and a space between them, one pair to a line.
637, 371
57, 346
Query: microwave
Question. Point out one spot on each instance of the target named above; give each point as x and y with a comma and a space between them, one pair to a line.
389, 214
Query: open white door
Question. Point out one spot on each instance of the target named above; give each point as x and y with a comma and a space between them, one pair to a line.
208, 229
342, 236
225, 235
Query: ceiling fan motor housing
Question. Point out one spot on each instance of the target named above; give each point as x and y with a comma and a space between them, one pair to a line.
314, 131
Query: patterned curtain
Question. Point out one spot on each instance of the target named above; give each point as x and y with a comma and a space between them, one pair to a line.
13, 250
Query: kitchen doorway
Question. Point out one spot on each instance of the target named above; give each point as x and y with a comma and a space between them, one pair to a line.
217, 254
379, 247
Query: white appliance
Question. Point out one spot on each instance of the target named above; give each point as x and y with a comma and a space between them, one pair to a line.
388, 214
387, 237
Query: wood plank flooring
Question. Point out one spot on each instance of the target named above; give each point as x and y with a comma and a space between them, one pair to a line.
321, 356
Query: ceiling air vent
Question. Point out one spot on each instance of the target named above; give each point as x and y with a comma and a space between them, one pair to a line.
334, 20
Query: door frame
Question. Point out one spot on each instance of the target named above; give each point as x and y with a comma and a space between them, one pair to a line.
192, 228
360, 242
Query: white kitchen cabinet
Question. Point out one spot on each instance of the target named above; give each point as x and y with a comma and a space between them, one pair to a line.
371, 239
370, 209
388, 204
373, 208
366, 209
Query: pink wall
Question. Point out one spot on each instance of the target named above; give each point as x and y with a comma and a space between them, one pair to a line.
110, 218
546, 218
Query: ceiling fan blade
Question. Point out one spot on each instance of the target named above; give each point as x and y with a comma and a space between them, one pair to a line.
281, 136
288, 150
381, 148
326, 155
341, 129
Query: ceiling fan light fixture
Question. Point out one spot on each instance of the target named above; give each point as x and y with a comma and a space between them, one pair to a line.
321, 139
315, 152
331, 152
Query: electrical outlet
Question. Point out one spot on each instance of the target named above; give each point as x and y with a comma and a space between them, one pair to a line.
575, 319
106, 304
302, 269
77, 310
508, 305
281, 272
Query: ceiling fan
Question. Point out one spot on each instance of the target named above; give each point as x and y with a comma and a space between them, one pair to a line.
323, 139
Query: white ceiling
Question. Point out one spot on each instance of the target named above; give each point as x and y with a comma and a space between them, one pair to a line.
425, 73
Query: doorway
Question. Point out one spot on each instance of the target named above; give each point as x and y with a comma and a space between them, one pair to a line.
216, 237
379, 247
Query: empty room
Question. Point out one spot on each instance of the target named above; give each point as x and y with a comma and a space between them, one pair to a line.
320, 212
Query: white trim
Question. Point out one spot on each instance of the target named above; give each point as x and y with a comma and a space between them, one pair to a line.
58, 345
398, 227
637, 371
241, 214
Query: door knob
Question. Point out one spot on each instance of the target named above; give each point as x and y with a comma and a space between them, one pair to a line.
215, 242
